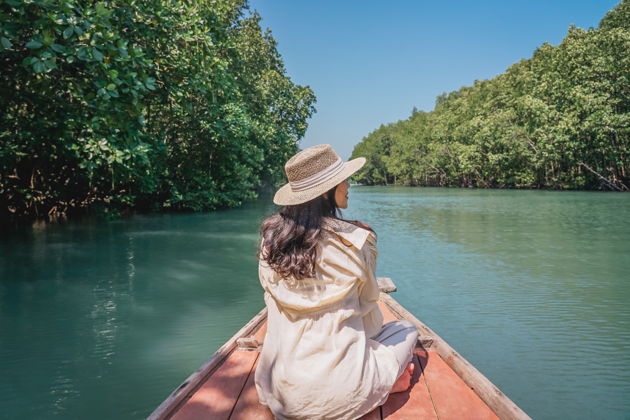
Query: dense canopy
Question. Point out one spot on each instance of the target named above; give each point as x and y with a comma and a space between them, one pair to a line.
560, 120
148, 105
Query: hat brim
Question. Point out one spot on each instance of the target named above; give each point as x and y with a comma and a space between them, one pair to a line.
285, 196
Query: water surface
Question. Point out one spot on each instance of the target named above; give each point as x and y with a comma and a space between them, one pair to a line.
104, 319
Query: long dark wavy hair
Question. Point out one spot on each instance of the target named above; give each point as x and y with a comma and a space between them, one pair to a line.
289, 238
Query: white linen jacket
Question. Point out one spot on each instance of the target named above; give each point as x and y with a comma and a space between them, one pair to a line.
317, 360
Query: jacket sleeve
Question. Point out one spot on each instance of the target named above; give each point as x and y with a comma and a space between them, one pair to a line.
368, 290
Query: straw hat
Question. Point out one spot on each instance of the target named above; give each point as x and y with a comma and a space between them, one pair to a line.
312, 172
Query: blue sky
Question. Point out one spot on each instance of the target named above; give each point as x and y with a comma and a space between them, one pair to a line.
370, 62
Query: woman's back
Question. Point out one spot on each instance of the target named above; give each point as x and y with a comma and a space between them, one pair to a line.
318, 360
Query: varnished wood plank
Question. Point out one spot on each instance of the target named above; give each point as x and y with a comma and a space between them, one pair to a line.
452, 398
388, 316
416, 402
486, 390
248, 407
217, 396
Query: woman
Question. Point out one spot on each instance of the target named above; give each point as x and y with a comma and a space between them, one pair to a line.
327, 354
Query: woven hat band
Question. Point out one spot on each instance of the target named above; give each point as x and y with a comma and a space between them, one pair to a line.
318, 178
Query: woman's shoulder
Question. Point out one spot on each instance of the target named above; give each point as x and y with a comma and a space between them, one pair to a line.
350, 233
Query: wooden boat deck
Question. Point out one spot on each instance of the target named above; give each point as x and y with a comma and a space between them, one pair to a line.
444, 386
437, 391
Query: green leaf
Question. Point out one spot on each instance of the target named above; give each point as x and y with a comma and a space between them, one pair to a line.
39, 67
101, 10
150, 83
98, 56
82, 54
5, 43
50, 65
58, 48
48, 38
113, 93
33, 45
111, 86
67, 33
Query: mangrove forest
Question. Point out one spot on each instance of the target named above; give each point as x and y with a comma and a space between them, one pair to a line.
117, 106
558, 120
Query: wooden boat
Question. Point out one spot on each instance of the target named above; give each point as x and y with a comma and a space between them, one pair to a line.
445, 385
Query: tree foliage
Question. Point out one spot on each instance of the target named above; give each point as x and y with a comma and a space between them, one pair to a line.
111, 106
560, 120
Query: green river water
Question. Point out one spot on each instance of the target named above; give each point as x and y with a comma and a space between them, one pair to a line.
102, 320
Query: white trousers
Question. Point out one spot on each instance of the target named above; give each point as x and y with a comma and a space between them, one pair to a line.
401, 336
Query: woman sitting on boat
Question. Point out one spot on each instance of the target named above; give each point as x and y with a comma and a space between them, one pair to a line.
327, 354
